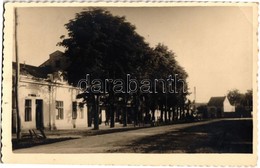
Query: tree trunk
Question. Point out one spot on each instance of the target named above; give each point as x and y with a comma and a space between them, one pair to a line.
124, 117
125, 113
165, 114
173, 113
169, 114
161, 115
177, 113
96, 113
182, 113
90, 110
112, 115
136, 113
153, 114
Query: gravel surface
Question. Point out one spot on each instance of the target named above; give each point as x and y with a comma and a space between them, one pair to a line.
213, 136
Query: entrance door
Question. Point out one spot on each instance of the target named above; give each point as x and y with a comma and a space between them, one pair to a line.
39, 114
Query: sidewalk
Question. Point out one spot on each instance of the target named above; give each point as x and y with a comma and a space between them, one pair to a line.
69, 134
89, 131
103, 129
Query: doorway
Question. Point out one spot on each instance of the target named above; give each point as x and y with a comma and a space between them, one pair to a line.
39, 114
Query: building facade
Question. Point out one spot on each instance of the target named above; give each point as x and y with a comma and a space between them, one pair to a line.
46, 100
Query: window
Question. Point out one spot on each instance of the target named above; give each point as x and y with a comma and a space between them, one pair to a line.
81, 110
59, 110
81, 113
74, 110
28, 110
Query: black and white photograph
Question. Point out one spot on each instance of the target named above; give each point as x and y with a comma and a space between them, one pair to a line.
133, 79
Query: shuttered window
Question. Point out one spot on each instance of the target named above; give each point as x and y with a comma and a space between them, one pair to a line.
60, 111
28, 110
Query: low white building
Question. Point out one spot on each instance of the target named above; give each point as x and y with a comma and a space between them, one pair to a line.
46, 101
220, 107
228, 108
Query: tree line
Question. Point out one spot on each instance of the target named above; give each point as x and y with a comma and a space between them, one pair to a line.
243, 102
108, 47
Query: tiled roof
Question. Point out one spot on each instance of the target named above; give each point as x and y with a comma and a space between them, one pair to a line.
216, 101
38, 72
48, 61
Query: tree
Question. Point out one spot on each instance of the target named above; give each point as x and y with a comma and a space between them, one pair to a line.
243, 102
160, 64
234, 96
108, 47
202, 111
105, 46
248, 99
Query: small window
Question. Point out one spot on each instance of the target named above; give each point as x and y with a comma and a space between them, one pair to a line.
81, 110
28, 110
74, 110
81, 113
59, 108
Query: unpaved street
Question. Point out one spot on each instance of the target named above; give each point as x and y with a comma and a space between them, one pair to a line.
199, 137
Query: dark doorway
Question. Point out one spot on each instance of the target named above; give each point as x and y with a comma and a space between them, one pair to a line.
39, 114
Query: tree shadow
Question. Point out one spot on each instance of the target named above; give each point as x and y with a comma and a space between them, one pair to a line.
27, 142
226, 136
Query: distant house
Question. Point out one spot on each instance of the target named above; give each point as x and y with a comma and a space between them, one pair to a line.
220, 107
46, 100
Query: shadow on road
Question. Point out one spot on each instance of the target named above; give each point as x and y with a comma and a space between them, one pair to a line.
26, 143
226, 136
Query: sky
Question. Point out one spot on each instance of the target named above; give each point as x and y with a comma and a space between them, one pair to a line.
213, 44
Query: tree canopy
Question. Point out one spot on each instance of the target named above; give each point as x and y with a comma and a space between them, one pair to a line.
103, 45
108, 47
242, 101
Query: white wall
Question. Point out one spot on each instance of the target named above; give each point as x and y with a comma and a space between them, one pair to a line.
228, 107
68, 95
26, 90
30, 90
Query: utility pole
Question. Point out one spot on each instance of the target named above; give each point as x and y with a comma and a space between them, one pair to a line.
194, 101
194, 94
17, 75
